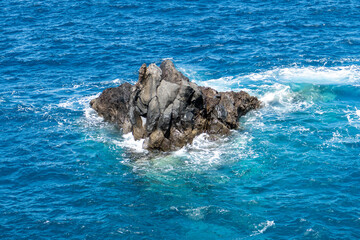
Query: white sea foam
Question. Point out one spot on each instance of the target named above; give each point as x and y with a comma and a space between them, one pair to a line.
112, 83
353, 116
201, 151
66, 104
202, 155
349, 75
279, 94
262, 227
82, 104
205, 153
273, 86
117, 81
341, 138
130, 143
78, 103
313, 75
93, 119
197, 213
357, 112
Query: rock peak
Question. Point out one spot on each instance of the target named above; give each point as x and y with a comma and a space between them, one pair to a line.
170, 73
168, 111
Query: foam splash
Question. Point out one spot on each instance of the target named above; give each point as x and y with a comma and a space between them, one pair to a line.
280, 94
201, 151
353, 116
130, 143
357, 112
282, 99
263, 227
77, 104
116, 81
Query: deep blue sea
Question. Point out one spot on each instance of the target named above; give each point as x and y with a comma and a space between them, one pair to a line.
292, 170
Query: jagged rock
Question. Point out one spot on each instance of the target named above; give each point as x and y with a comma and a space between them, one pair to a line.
168, 111
113, 105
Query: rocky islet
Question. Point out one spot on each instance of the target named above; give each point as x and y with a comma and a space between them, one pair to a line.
168, 111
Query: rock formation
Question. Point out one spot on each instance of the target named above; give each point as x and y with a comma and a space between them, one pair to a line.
168, 111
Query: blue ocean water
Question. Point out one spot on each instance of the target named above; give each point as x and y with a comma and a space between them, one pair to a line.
292, 170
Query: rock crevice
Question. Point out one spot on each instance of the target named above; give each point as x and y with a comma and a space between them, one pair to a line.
168, 111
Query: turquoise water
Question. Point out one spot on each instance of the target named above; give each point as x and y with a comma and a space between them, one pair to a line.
291, 171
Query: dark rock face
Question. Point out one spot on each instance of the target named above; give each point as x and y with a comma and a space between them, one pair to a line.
113, 105
168, 111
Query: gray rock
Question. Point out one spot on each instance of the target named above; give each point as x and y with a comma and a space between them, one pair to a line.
113, 104
165, 118
166, 93
153, 115
150, 83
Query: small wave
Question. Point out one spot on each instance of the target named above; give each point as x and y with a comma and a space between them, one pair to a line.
112, 83
279, 99
262, 227
197, 213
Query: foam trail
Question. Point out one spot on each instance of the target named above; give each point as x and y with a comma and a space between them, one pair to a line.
349, 75
78, 103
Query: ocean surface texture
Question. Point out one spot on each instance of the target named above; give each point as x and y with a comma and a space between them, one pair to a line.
292, 171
